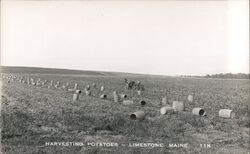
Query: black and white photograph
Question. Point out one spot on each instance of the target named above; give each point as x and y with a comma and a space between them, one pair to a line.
124, 77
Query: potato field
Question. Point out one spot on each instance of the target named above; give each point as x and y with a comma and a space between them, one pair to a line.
40, 108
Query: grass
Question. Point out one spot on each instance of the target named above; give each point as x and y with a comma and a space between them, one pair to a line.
33, 115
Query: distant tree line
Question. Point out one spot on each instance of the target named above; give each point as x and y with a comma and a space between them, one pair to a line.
223, 76
229, 76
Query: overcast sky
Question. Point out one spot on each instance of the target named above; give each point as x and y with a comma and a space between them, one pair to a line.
153, 37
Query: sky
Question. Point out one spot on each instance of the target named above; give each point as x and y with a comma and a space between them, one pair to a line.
149, 37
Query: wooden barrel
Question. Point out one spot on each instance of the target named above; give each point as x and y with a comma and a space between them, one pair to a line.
226, 113
138, 115
199, 111
116, 98
128, 102
142, 102
75, 97
88, 87
190, 98
78, 91
102, 88
139, 92
123, 96
76, 86
87, 92
164, 101
178, 106
166, 110
103, 96
71, 90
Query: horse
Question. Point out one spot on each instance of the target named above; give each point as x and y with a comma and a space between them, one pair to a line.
133, 85
129, 84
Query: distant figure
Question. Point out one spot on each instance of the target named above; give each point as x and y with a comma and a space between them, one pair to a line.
87, 87
133, 85
76, 86
94, 85
102, 88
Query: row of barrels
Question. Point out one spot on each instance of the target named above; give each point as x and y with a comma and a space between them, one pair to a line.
177, 106
88, 89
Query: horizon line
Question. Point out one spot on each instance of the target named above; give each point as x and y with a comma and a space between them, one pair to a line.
73, 69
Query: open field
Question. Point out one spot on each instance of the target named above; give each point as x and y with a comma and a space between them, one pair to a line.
32, 115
